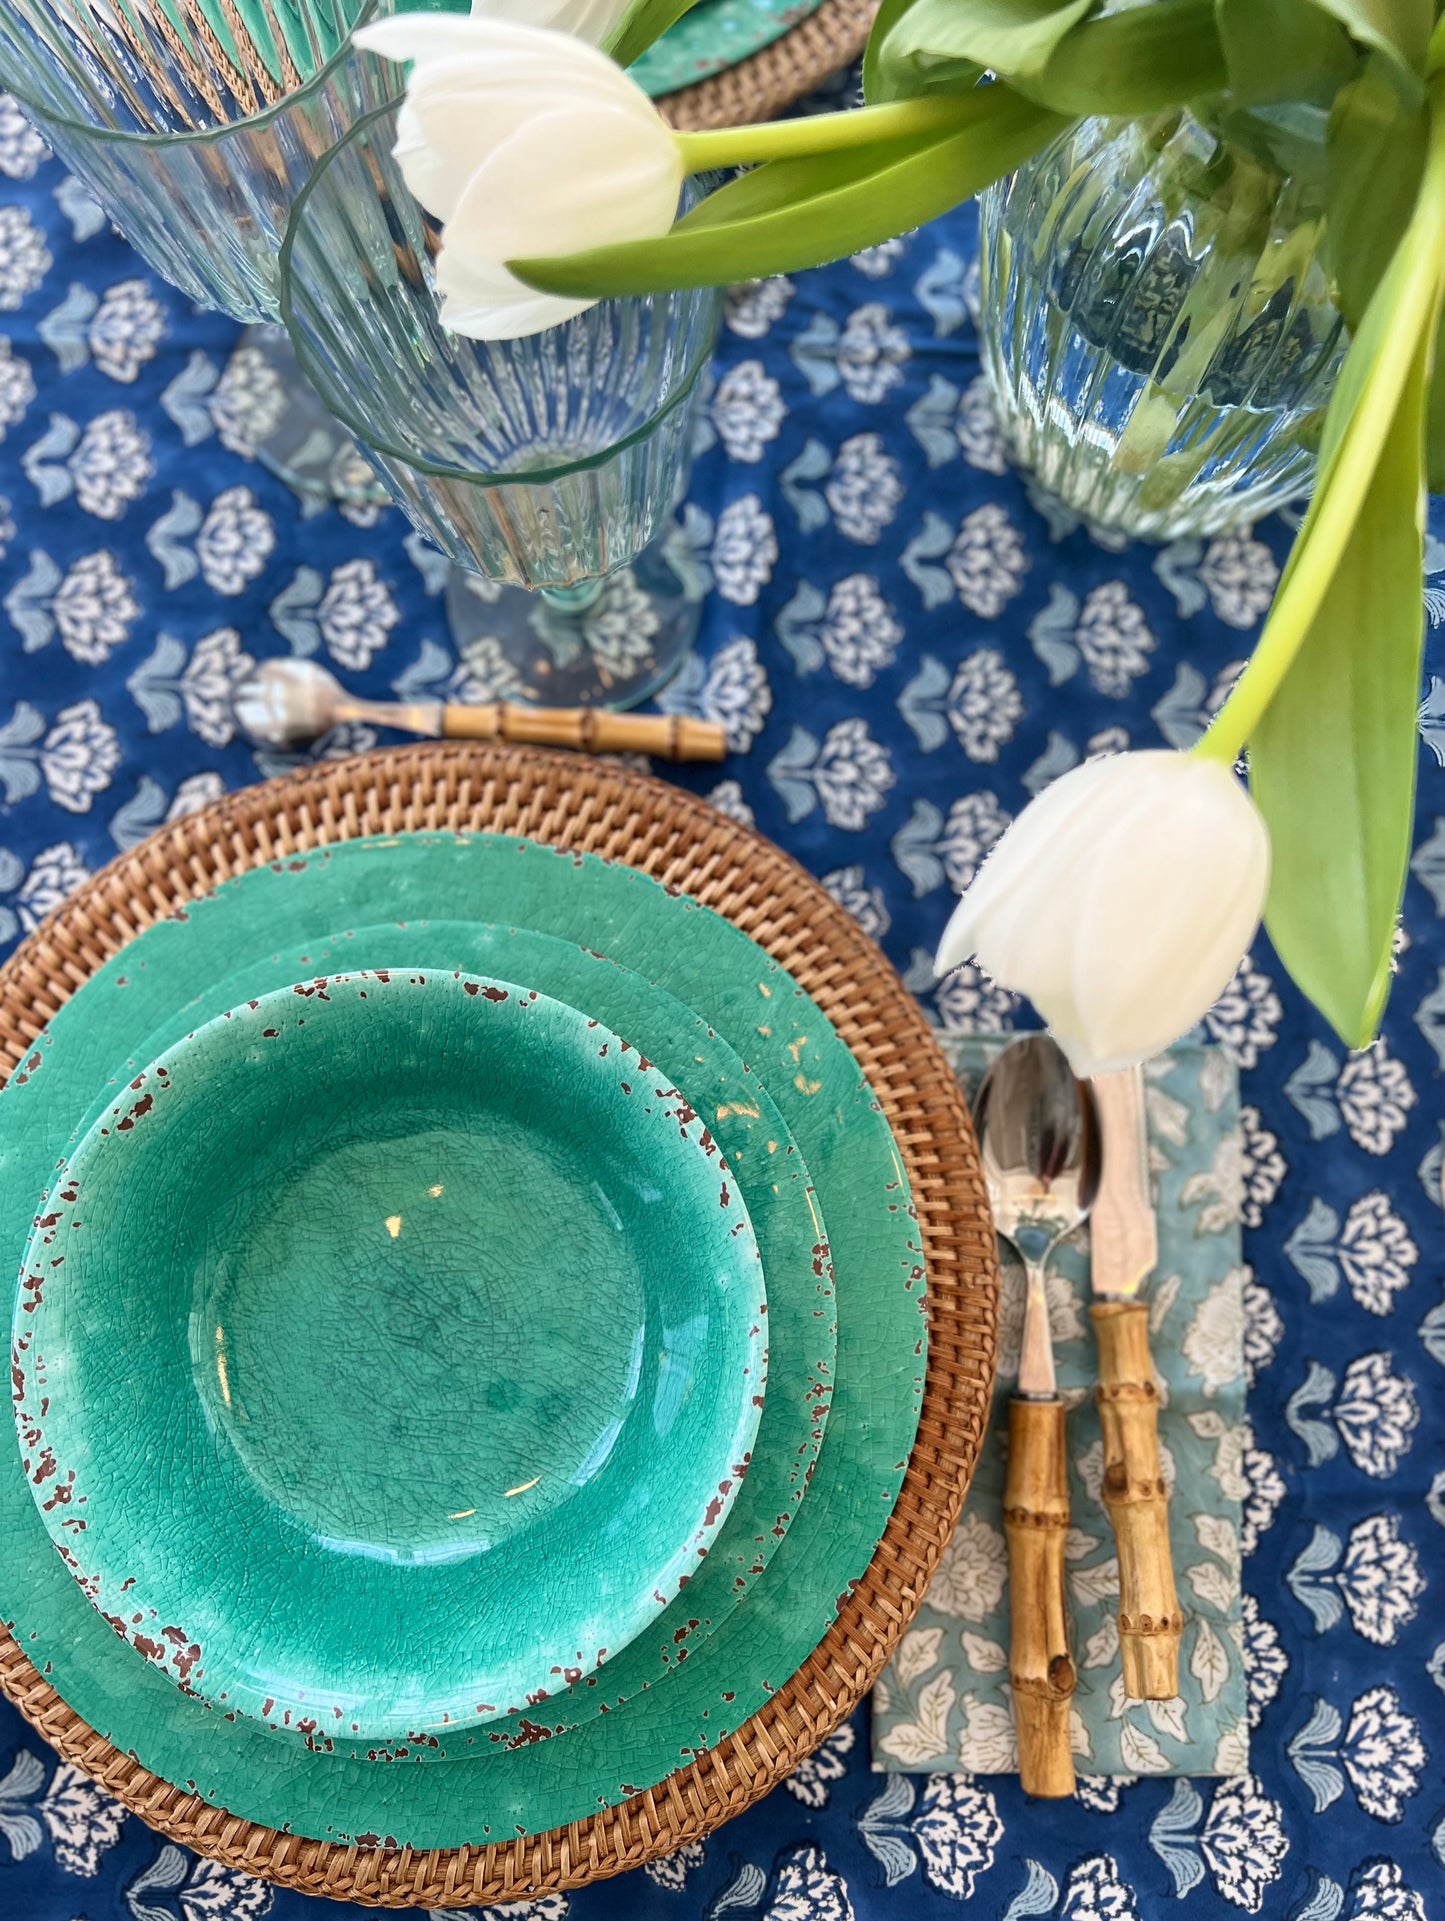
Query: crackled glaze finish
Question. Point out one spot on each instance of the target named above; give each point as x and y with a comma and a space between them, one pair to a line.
787, 1222
757, 1007
435, 1315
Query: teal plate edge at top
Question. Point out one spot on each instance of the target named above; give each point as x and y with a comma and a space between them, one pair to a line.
787, 1221
753, 1003
389, 1346
710, 38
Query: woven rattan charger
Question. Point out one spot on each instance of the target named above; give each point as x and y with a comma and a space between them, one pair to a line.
682, 841
778, 74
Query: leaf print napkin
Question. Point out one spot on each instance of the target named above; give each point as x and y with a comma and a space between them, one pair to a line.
943, 1702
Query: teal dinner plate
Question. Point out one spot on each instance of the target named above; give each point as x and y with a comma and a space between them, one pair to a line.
756, 1007
442, 1313
787, 1222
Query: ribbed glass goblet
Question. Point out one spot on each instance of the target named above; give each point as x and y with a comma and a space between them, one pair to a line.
194, 125
194, 140
548, 466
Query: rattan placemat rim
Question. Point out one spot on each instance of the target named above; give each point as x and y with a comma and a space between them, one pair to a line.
777, 74
681, 840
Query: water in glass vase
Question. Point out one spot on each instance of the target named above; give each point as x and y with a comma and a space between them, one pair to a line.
1157, 321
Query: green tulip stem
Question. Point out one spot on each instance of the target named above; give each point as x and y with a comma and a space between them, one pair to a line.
1348, 476
817, 133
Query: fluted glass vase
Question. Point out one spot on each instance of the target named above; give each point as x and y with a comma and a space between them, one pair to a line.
195, 135
1157, 323
547, 467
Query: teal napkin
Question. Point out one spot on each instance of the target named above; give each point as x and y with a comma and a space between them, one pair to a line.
943, 1701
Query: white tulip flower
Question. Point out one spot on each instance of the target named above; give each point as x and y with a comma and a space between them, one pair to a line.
1120, 902
588, 19
522, 141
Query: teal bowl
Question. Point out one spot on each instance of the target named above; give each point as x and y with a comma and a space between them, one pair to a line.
390, 1354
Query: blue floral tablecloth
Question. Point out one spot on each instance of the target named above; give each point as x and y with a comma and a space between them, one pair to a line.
904, 648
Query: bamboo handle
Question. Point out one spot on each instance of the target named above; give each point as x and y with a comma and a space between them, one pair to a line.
1150, 1621
667, 736
1035, 1521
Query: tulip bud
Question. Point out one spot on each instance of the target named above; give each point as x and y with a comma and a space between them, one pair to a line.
522, 142
1120, 902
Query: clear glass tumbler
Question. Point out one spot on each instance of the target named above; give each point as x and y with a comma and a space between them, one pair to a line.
195, 137
549, 467
201, 188
1157, 322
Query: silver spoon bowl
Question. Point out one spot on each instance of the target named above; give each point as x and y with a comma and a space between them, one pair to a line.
1039, 1135
287, 702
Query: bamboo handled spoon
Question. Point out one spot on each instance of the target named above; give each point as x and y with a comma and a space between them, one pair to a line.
1040, 1143
1124, 1246
287, 702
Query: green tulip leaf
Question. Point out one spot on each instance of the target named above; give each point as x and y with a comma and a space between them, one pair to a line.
799, 212
1140, 60
1332, 763
1375, 157
881, 81
1435, 416
1016, 38
1398, 28
886, 77
642, 23
1279, 50
1332, 759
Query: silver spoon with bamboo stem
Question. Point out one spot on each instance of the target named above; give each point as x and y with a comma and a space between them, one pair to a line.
288, 702
1039, 1136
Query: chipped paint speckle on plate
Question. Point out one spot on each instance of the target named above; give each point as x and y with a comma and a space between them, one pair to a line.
395, 1342
792, 1237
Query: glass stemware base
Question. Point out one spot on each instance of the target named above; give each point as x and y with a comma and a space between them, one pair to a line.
607, 642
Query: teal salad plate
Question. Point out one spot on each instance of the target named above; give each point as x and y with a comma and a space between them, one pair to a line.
295, 915
395, 1343
788, 1225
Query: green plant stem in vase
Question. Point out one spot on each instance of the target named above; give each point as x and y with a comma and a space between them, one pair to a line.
1157, 322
